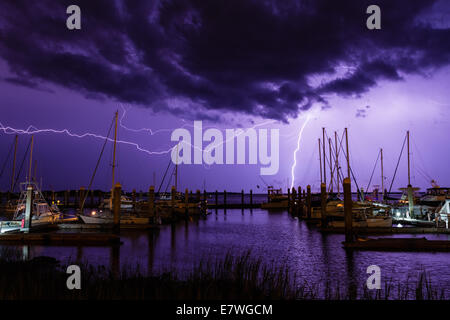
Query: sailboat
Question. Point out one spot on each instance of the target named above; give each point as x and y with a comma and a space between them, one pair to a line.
41, 213
105, 215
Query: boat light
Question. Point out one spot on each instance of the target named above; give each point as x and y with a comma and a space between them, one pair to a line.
93, 213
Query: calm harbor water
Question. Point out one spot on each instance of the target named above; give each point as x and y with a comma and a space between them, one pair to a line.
275, 237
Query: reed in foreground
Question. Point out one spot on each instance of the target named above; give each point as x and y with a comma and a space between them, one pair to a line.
241, 277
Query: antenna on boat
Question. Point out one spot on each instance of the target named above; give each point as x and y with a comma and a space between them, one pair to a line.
324, 156
409, 170
14, 163
31, 160
176, 171
320, 163
382, 176
348, 155
114, 152
410, 189
331, 164
337, 161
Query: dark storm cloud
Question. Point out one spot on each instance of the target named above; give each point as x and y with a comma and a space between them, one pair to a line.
254, 57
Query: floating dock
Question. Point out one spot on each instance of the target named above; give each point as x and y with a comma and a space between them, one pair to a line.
399, 244
382, 230
104, 226
61, 239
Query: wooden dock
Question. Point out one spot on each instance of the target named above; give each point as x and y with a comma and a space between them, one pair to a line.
104, 226
61, 239
399, 244
409, 230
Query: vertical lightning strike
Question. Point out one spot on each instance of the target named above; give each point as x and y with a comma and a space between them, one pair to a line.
308, 117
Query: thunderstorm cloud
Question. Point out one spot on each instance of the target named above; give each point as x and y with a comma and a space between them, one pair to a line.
253, 57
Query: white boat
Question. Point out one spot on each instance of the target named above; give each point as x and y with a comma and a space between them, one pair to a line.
41, 213
435, 196
382, 222
125, 203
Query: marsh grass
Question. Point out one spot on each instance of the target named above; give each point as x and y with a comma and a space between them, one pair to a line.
240, 277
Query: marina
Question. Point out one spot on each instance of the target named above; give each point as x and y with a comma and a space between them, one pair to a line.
190, 153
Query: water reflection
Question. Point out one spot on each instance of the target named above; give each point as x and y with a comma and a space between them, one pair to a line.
277, 238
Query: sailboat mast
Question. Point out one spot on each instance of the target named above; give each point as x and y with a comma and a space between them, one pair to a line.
382, 175
114, 151
331, 164
409, 168
176, 171
348, 156
320, 163
14, 163
337, 161
31, 160
324, 162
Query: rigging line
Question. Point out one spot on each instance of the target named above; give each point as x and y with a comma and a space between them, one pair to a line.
339, 174
164, 177
421, 160
351, 170
373, 171
263, 180
96, 167
21, 165
398, 162
6, 160
168, 180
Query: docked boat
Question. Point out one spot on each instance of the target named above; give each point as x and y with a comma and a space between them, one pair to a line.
125, 203
276, 199
435, 196
104, 214
107, 217
42, 214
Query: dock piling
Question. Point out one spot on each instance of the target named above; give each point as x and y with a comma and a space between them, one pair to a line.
173, 196
348, 210
186, 201
323, 203
116, 206
28, 209
308, 201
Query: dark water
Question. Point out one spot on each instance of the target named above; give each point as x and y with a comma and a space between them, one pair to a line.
277, 238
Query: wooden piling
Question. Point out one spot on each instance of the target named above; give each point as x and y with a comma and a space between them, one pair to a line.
348, 210
66, 198
151, 203
198, 195
133, 197
251, 198
28, 209
173, 193
300, 202
186, 201
225, 200
217, 200
294, 200
289, 198
308, 201
242, 199
323, 203
81, 197
92, 198
116, 205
